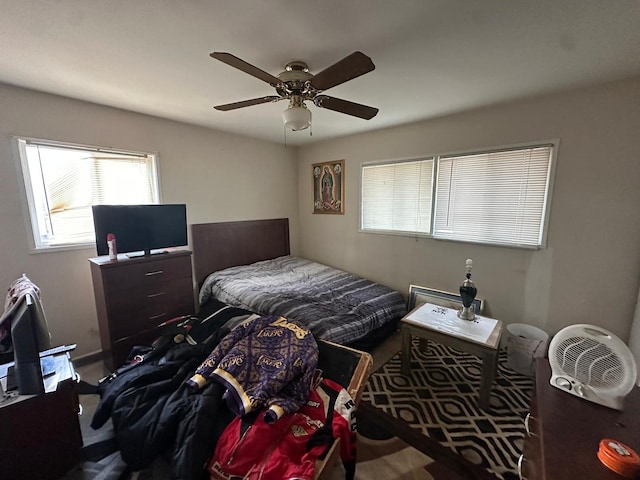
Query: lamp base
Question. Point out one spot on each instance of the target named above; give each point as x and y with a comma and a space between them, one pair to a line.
467, 313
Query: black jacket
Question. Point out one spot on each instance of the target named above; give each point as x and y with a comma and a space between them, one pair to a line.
152, 411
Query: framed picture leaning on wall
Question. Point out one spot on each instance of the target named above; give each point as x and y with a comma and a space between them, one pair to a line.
419, 295
328, 187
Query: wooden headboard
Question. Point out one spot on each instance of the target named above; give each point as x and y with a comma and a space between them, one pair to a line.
226, 244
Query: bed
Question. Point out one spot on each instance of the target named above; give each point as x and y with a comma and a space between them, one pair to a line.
248, 264
151, 410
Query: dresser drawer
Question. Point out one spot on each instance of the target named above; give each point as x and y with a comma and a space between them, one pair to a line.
129, 318
149, 295
146, 273
121, 349
530, 464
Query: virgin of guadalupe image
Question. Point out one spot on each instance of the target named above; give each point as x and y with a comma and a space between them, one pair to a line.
327, 186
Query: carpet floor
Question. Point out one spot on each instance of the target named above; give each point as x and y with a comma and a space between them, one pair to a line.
387, 448
391, 446
439, 401
423, 427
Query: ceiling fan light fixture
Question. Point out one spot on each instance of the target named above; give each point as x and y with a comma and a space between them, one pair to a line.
297, 117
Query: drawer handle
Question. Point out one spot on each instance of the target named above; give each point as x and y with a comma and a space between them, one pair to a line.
520, 462
157, 272
526, 424
157, 316
152, 295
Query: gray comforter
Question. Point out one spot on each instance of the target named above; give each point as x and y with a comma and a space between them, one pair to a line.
335, 305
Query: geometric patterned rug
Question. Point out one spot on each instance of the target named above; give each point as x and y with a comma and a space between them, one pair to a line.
439, 399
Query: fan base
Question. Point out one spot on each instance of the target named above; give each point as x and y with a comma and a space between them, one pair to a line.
586, 392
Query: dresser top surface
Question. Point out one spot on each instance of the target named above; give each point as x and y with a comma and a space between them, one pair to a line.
572, 428
123, 258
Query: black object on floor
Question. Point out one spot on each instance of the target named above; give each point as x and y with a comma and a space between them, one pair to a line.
86, 388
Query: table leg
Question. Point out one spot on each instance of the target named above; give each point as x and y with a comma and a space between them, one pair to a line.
405, 351
489, 371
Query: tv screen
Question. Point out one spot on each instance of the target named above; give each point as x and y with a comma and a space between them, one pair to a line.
140, 228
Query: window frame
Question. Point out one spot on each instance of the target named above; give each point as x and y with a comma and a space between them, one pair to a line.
546, 207
27, 199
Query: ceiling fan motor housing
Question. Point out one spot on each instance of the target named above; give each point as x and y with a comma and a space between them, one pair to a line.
592, 363
294, 80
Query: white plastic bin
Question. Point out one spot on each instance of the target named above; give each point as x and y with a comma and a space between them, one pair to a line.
524, 344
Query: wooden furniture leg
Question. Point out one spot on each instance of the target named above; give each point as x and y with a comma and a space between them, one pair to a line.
405, 351
489, 371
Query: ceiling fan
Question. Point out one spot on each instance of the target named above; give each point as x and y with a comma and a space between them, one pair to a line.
297, 85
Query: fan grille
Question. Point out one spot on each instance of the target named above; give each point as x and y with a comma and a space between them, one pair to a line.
590, 362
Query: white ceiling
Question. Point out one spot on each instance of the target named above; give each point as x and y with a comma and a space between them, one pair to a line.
432, 57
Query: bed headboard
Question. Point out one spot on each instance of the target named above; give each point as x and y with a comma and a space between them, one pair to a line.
226, 244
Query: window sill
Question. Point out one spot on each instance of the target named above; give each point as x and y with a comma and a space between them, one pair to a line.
62, 248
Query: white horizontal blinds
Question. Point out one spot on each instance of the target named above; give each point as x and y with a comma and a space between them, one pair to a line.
122, 180
494, 197
66, 181
397, 196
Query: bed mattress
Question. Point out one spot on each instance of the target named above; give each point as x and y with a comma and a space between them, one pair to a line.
335, 305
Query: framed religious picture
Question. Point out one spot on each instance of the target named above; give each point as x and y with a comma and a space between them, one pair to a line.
328, 187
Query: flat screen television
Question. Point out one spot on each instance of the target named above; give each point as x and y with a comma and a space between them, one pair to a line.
29, 336
140, 228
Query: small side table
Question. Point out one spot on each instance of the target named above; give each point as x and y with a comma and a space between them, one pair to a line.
480, 337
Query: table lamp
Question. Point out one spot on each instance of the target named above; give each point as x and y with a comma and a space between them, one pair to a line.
468, 293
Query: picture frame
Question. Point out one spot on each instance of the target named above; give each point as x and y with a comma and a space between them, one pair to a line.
328, 187
419, 295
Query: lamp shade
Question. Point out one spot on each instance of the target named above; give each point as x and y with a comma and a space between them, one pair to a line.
296, 118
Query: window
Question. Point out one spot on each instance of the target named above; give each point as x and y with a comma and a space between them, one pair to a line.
62, 182
498, 197
396, 197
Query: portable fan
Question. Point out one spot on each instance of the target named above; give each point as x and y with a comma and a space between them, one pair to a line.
592, 363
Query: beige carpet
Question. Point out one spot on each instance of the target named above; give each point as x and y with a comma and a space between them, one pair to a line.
382, 456
391, 446
391, 458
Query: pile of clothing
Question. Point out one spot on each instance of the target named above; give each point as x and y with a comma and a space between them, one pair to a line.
228, 394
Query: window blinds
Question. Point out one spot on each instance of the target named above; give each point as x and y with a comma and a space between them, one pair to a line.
397, 196
66, 180
494, 197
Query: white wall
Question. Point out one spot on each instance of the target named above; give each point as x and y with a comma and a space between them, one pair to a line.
589, 271
219, 176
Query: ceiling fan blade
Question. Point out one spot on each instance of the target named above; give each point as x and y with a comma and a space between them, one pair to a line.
235, 62
345, 106
346, 69
247, 103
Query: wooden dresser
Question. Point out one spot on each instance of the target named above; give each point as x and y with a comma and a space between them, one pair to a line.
134, 295
565, 432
